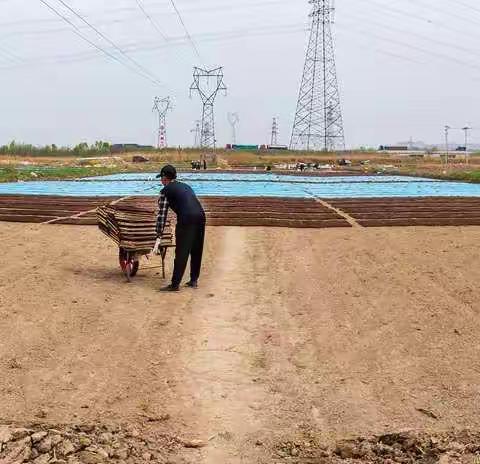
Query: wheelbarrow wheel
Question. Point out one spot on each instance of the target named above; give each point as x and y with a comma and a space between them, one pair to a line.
128, 263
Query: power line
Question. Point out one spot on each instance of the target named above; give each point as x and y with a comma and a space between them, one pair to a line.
159, 30
173, 42
466, 5
111, 42
152, 21
186, 30
211, 37
240, 33
414, 47
449, 13
93, 44
417, 17
443, 43
418, 35
12, 57
249, 6
424, 37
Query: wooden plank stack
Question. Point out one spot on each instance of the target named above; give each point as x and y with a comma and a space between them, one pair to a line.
132, 227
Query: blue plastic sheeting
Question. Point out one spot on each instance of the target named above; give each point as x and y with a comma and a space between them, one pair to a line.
251, 185
248, 177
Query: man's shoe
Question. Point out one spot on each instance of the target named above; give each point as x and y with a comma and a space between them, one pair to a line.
170, 288
192, 284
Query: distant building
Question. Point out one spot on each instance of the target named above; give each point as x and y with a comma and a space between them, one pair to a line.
414, 145
393, 148
242, 147
237, 147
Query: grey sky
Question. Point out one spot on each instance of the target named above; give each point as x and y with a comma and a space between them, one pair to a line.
405, 67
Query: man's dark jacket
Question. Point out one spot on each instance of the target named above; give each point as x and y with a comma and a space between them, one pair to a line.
183, 201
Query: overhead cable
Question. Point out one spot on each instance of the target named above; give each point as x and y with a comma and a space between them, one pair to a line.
194, 46
111, 42
152, 21
77, 32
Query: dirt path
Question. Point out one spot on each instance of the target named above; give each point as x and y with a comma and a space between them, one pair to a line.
302, 336
219, 354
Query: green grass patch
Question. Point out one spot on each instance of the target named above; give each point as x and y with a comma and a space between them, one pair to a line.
472, 176
468, 176
11, 174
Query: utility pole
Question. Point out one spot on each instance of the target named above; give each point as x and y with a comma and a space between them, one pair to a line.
274, 138
447, 129
208, 83
466, 129
196, 131
162, 106
233, 119
318, 119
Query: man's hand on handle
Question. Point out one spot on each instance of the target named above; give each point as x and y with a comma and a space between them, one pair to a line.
156, 248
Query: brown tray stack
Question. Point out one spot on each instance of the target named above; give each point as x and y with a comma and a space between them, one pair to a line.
132, 228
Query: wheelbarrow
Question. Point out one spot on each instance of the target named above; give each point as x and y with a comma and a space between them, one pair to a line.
130, 260
132, 228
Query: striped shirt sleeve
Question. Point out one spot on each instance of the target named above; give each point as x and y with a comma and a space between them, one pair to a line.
162, 214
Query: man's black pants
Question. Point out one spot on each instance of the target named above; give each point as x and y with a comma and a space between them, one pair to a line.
189, 242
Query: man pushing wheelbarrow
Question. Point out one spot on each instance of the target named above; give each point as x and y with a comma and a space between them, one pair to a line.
190, 229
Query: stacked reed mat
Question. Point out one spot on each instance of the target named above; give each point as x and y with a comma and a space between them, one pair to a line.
131, 227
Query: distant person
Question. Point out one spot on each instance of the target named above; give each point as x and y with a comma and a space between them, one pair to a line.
204, 165
190, 230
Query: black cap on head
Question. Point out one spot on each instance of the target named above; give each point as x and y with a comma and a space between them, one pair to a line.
169, 172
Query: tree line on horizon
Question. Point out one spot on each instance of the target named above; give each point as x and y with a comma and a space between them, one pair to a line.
82, 149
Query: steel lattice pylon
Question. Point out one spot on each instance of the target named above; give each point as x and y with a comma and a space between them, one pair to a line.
274, 137
208, 83
318, 120
233, 120
162, 106
196, 131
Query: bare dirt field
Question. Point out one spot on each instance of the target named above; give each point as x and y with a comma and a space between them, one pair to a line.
296, 341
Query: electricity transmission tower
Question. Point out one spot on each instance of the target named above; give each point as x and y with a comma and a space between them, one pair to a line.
274, 138
233, 119
196, 131
162, 106
318, 120
208, 83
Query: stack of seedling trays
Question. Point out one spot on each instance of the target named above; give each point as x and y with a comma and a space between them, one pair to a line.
132, 228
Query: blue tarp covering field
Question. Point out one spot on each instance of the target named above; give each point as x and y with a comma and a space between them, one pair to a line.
250, 185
